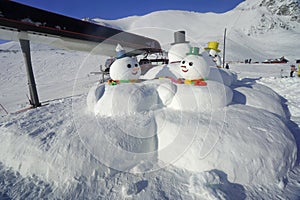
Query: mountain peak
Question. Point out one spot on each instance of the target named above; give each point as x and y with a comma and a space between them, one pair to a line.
287, 8
283, 7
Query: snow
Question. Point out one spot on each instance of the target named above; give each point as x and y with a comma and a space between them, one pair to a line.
218, 147
127, 98
178, 51
236, 138
191, 98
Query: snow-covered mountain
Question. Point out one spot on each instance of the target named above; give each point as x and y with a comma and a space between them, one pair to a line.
274, 14
256, 29
284, 8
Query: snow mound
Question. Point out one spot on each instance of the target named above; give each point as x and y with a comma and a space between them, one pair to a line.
197, 128
126, 99
132, 98
252, 126
129, 98
244, 145
260, 99
222, 76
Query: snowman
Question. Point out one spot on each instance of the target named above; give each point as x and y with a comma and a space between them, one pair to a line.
212, 48
193, 68
175, 54
124, 68
132, 96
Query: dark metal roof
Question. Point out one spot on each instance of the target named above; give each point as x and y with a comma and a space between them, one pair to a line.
17, 17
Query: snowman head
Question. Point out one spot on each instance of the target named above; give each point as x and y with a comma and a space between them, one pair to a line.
177, 52
212, 53
126, 68
193, 66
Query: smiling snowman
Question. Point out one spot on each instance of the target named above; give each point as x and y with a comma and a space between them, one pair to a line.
125, 94
189, 97
124, 69
194, 69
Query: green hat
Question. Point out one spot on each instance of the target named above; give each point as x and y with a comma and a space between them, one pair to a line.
194, 51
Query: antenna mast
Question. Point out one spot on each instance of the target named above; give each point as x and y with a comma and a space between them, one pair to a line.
224, 48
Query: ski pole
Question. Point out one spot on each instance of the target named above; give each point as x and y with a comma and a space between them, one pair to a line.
3, 108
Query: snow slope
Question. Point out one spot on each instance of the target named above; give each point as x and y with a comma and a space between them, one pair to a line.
253, 31
246, 150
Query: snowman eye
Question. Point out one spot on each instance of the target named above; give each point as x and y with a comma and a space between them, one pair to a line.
129, 65
135, 65
183, 62
190, 63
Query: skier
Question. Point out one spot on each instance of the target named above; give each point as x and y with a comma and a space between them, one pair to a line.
227, 66
293, 69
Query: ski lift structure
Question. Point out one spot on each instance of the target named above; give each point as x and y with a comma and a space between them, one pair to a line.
24, 23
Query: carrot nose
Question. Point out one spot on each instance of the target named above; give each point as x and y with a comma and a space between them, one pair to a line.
135, 69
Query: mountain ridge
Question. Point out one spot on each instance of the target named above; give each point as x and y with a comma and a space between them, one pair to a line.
252, 29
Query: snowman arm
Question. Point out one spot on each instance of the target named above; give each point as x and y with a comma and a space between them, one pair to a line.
179, 81
94, 94
166, 92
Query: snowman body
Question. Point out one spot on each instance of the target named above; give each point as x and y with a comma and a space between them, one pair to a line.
125, 68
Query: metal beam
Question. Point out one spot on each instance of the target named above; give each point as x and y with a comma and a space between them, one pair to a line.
224, 48
34, 99
68, 33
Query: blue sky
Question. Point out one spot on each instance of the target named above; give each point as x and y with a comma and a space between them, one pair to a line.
114, 9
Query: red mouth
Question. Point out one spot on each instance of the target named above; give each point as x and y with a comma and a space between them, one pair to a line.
184, 69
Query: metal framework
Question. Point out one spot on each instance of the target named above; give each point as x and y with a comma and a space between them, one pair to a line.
24, 24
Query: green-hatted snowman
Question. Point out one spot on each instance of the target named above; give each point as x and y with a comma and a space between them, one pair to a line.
194, 69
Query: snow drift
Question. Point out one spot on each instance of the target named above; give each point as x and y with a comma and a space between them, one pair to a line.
199, 128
